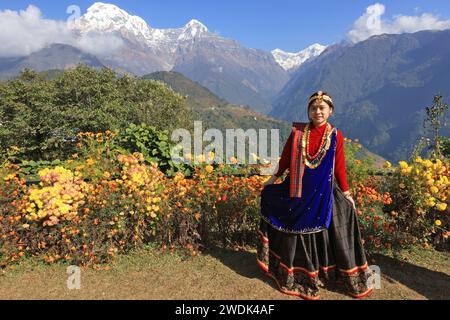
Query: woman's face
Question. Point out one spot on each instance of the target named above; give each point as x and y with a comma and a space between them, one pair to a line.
319, 112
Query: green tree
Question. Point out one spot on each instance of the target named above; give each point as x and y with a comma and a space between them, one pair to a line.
435, 121
26, 106
42, 116
436, 145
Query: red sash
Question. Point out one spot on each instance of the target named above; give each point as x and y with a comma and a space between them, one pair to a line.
297, 166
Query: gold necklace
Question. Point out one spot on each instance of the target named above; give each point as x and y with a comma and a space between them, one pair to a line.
315, 160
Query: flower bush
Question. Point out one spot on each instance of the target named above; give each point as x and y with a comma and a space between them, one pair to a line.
106, 200
379, 228
210, 209
12, 187
58, 196
420, 193
65, 218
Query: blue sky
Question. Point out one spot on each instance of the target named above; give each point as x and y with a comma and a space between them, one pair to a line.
264, 24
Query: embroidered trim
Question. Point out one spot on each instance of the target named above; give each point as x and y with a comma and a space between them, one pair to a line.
264, 239
355, 269
303, 231
313, 273
325, 269
291, 293
262, 265
289, 270
293, 270
303, 270
362, 295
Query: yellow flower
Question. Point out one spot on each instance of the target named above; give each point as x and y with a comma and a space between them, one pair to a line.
434, 189
211, 155
201, 158
9, 177
387, 164
156, 200
438, 222
403, 165
431, 202
406, 171
209, 168
90, 162
265, 179
427, 163
441, 206
233, 160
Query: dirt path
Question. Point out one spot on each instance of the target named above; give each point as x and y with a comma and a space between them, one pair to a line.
227, 275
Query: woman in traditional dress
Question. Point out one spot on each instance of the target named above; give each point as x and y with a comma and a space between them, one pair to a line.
309, 233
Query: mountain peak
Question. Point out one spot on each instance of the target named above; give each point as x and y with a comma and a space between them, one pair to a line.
317, 46
103, 6
292, 60
194, 23
109, 17
277, 50
193, 29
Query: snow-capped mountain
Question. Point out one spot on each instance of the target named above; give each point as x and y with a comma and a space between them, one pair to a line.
103, 17
129, 44
239, 74
193, 29
107, 18
290, 61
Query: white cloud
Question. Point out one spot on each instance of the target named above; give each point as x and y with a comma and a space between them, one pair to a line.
371, 23
99, 44
26, 31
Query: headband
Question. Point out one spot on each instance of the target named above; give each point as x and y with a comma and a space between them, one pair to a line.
321, 96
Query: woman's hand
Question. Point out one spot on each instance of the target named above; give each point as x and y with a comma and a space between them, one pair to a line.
271, 180
349, 197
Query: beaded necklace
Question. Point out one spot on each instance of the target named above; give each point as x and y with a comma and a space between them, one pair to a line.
315, 160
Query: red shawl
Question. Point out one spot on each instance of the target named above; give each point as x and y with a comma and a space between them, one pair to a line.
297, 167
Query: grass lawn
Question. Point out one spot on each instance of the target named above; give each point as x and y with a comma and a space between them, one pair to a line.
219, 274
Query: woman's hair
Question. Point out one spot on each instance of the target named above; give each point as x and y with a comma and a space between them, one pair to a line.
323, 96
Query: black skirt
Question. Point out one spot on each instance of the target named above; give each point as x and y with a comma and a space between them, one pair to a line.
301, 263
